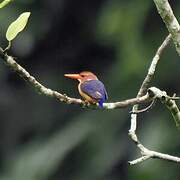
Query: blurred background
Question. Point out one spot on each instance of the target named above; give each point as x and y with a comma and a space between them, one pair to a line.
42, 139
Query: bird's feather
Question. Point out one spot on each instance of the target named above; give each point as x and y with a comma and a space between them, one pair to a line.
95, 89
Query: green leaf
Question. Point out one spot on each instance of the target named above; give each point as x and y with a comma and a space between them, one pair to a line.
17, 26
4, 3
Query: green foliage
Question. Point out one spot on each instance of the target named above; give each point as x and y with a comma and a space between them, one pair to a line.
5, 3
17, 26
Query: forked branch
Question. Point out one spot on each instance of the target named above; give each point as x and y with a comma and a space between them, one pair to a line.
163, 97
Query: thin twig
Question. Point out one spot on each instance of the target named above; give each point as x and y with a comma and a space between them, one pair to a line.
144, 109
8, 47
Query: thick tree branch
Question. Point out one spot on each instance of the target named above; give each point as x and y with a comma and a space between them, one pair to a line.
166, 13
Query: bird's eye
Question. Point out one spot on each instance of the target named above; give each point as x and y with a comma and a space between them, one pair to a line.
82, 75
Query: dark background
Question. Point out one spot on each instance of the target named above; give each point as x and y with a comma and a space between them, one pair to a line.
42, 139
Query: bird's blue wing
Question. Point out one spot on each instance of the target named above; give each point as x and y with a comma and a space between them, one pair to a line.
96, 90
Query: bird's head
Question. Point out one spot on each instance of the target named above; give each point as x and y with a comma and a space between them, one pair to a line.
83, 76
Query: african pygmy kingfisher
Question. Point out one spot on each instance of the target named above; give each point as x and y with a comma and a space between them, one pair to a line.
90, 88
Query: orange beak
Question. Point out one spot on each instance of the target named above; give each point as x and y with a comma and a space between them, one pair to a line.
72, 76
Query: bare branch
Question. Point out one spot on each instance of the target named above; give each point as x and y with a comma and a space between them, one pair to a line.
9, 60
168, 101
139, 160
146, 153
166, 13
144, 109
147, 80
172, 24
173, 108
153, 65
158, 94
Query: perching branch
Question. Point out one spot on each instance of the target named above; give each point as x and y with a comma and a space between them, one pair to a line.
166, 13
9, 60
158, 94
152, 94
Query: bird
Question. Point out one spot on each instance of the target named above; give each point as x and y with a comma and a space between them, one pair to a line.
90, 87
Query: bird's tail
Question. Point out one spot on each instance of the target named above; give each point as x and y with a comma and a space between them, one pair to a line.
101, 101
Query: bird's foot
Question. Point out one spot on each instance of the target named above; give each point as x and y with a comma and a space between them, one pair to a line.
85, 104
